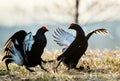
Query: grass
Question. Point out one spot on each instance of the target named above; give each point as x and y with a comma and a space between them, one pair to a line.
99, 66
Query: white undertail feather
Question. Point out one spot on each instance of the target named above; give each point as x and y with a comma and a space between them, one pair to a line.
16, 56
16, 42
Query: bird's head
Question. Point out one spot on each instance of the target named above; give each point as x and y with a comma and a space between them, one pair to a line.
74, 26
43, 28
77, 27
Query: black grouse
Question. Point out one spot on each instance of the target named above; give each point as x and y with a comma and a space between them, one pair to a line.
74, 47
25, 49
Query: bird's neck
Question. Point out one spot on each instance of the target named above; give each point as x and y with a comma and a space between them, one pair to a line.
80, 34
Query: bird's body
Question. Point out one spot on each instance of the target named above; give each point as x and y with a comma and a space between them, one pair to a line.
75, 44
75, 55
34, 56
27, 51
74, 49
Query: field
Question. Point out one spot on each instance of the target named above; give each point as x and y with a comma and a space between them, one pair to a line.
98, 66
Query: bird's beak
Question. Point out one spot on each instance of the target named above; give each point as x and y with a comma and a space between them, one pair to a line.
47, 30
69, 28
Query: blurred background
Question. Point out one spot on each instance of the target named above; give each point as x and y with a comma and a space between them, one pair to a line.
30, 15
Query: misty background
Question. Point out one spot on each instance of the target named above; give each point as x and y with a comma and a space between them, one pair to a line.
30, 15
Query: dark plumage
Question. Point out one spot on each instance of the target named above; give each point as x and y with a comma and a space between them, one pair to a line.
18, 37
25, 49
74, 47
14, 42
34, 56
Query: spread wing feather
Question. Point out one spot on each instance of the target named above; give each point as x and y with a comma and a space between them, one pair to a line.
63, 38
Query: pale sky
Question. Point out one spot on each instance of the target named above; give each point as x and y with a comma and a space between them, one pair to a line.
14, 12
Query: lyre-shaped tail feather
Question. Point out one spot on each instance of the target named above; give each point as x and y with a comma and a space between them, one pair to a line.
98, 31
7, 50
8, 44
101, 31
7, 53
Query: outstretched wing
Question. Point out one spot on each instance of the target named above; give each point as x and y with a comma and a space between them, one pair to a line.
28, 42
63, 38
19, 36
101, 31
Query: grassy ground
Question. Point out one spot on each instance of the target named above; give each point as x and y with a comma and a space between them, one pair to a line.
99, 66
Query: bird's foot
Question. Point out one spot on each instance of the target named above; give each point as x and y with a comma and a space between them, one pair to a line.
80, 68
30, 69
55, 70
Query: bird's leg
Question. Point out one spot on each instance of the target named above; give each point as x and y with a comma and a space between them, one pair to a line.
55, 70
47, 61
43, 68
40, 64
80, 68
51, 61
7, 62
68, 68
43, 60
29, 69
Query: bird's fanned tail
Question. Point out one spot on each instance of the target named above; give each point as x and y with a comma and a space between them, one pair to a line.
101, 31
7, 45
13, 40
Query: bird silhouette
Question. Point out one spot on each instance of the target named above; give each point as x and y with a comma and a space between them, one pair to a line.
25, 49
73, 46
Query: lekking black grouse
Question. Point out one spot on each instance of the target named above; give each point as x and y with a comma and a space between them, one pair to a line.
25, 49
73, 46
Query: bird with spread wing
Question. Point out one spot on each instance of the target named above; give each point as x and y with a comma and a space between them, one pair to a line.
73, 46
24, 49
